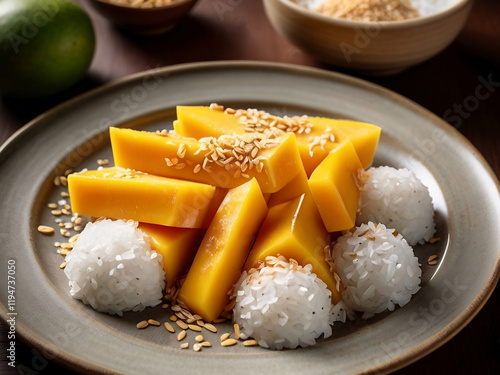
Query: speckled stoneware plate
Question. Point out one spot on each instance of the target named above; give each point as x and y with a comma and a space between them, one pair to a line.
75, 134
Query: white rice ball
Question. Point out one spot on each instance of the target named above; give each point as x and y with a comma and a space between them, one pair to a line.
113, 268
283, 305
377, 267
398, 199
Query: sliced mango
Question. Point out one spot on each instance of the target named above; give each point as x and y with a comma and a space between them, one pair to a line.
295, 230
217, 199
201, 121
223, 250
322, 135
178, 247
293, 189
127, 194
364, 136
187, 159
333, 187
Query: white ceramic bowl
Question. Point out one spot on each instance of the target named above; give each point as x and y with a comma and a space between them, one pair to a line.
374, 48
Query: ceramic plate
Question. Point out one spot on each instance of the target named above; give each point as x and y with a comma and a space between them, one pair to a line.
75, 134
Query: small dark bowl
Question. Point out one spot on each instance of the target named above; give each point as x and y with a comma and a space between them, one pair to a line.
144, 21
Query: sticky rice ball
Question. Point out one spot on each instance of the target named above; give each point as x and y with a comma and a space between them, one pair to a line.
377, 267
281, 305
113, 268
398, 199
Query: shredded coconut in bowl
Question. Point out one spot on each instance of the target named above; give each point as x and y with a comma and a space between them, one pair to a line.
113, 268
284, 305
376, 10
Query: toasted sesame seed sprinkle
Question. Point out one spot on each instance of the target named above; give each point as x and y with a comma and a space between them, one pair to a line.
216, 107
199, 338
194, 327
320, 141
45, 229
250, 342
236, 331
432, 260
181, 324
225, 336
235, 153
169, 327
210, 327
229, 342
197, 347
142, 324
176, 308
182, 335
259, 121
185, 345
154, 322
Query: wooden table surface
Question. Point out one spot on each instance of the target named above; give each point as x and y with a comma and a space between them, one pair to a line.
445, 85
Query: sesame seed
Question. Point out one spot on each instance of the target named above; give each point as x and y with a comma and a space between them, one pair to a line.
181, 324
210, 327
225, 336
432, 260
194, 327
142, 324
182, 335
229, 342
236, 331
199, 338
44, 229
169, 327
250, 342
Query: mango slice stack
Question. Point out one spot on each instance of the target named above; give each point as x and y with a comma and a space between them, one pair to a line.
227, 188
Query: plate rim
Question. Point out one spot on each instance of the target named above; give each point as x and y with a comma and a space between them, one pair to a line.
417, 352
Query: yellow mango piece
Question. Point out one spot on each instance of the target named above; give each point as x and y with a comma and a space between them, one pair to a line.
364, 136
201, 121
185, 158
294, 229
223, 250
295, 188
333, 187
178, 247
127, 194
217, 199
321, 137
